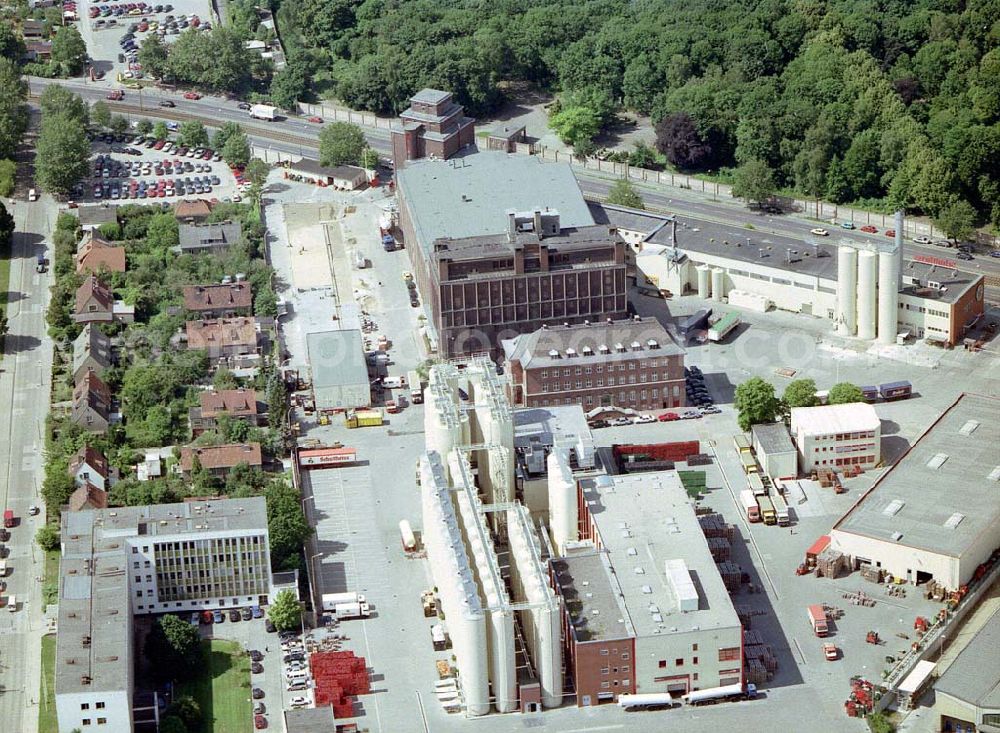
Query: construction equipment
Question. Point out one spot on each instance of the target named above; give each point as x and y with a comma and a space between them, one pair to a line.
873, 638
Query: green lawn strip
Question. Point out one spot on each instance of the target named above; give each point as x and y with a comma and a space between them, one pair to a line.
4, 285
223, 688
47, 722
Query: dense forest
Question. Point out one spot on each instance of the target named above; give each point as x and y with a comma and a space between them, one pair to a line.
886, 102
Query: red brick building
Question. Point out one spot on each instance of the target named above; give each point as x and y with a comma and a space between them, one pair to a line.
432, 126
629, 363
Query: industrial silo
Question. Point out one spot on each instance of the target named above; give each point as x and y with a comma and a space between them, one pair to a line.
563, 512
704, 283
888, 296
847, 290
718, 283
867, 287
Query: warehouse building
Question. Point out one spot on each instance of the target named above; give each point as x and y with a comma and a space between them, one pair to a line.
931, 516
120, 562
339, 370
967, 695
646, 610
775, 451
870, 290
837, 436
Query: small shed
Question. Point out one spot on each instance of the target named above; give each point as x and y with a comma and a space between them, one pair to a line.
506, 138
345, 177
775, 450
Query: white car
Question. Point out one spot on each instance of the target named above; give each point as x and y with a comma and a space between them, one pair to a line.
921, 240
643, 419
298, 701
620, 421
819, 232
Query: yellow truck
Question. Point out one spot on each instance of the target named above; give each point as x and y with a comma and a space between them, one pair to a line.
362, 418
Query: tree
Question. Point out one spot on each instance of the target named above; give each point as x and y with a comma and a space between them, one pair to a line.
290, 84
286, 522
173, 724
154, 56
69, 49
192, 134
623, 193
11, 45
756, 403
754, 182
800, 393
957, 220
13, 111
59, 100
187, 709
256, 171
677, 137
160, 131
224, 133
843, 393
224, 379
173, 648
47, 538
341, 143
285, 612
8, 175
63, 153
576, 125
119, 124
236, 150
369, 159
144, 126
100, 114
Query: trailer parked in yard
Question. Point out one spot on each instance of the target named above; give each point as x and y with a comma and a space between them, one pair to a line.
406, 533
767, 512
817, 619
721, 694
362, 418
750, 507
895, 390
416, 389
723, 327
869, 393
742, 443
780, 509
647, 701
756, 484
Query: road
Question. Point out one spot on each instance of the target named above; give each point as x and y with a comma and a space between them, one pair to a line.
25, 377
295, 136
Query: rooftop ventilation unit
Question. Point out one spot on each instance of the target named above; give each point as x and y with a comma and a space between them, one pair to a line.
969, 428
954, 520
893, 507
897, 536
937, 461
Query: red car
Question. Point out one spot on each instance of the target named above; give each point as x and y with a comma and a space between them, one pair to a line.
669, 417
318, 120
159, 144
116, 95
192, 95
890, 232
869, 228
259, 722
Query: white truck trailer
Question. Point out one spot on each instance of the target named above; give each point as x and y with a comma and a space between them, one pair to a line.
264, 112
330, 600
352, 610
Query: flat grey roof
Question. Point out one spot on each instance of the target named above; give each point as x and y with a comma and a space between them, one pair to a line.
773, 438
310, 720
550, 425
974, 676
816, 256
337, 358
594, 606
469, 195
430, 96
957, 489
206, 235
644, 520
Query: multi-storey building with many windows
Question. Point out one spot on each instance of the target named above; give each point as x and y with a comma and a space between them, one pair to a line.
116, 562
837, 436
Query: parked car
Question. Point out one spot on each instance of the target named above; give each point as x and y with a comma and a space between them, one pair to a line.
690, 415
257, 668
819, 232
669, 417
709, 410
298, 701
890, 232
921, 240
296, 686
847, 225
255, 610
192, 95
245, 614
243, 106
259, 708
234, 615
259, 722
962, 255
257, 694
995, 253
869, 229
217, 616
256, 656
644, 419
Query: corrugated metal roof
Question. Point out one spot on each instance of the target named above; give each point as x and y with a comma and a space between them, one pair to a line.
974, 676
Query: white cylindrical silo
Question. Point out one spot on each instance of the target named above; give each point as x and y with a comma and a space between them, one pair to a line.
718, 283
549, 656
704, 284
867, 280
469, 644
888, 296
847, 290
563, 511
503, 662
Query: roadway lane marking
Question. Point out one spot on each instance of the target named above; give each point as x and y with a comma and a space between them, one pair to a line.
599, 727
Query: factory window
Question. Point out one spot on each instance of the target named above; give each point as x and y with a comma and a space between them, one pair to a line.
589, 384
694, 676
85, 721
545, 373
780, 281
605, 670
694, 660
599, 368
678, 662
102, 721
99, 706
621, 367
663, 663
626, 683
85, 706
729, 653
579, 384
694, 647
652, 376
631, 365
135, 565
566, 372
135, 550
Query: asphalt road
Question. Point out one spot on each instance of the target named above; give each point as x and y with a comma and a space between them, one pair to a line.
24, 389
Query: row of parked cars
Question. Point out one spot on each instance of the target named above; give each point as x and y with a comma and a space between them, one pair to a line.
105, 10
218, 616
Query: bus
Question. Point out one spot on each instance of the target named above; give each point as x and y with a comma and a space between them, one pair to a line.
749, 463
767, 512
780, 509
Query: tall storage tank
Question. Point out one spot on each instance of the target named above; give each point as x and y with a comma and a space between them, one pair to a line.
563, 510
472, 660
867, 286
504, 663
847, 290
888, 296
718, 283
704, 284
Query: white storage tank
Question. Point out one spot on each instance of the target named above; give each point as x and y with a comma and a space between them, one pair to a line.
847, 291
888, 296
563, 511
704, 284
749, 301
503, 662
718, 283
867, 286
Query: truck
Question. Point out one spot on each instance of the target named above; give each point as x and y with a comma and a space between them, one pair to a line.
695, 322
263, 112
362, 418
3, 568
8, 518
742, 443
647, 701
32, 194
749, 463
116, 96
330, 600
393, 382
869, 393
723, 327
749, 502
756, 484
388, 242
12, 603
766, 508
780, 509
438, 638
352, 610
726, 693
895, 390
406, 533
817, 619
416, 389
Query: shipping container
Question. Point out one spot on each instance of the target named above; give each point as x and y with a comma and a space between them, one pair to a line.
895, 390
869, 393
750, 507
817, 619
767, 513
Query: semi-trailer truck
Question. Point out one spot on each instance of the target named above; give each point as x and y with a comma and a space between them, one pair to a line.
749, 502
330, 600
721, 694
416, 389
352, 610
647, 701
406, 533
817, 619
264, 112
767, 512
780, 509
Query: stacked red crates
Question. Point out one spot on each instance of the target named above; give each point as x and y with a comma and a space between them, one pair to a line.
338, 676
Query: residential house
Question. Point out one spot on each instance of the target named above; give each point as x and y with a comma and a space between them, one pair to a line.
34, 30
95, 253
95, 304
91, 352
87, 496
38, 51
219, 301
93, 215
89, 466
238, 404
92, 404
219, 460
151, 466
224, 337
208, 238
189, 212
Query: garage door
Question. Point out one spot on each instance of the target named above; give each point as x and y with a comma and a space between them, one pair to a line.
680, 687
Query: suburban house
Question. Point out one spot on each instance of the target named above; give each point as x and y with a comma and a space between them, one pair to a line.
189, 212
96, 304
238, 404
92, 404
219, 301
38, 50
224, 337
208, 238
89, 466
95, 253
87, 496
151, 466
219, 460
91, 352
93, 215
34, 30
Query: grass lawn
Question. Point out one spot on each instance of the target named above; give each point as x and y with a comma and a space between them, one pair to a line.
4, 278
47, 722
223, 688
51, 587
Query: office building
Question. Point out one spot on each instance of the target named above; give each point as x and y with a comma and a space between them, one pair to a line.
837, 436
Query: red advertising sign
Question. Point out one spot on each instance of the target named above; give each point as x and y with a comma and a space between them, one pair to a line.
932, 260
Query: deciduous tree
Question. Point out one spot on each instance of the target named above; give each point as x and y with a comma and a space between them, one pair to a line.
13, 112
63, 153
754, 182
69, 49
677, 137
800, 393
100, 114
173, 648
285, 612
755, 402
843, 393
192, 134
341, 143
623, 193
957, 220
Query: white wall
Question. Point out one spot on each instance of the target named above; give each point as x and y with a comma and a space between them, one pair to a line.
897, 558
117, 711
650, 650
779, 465
923, 317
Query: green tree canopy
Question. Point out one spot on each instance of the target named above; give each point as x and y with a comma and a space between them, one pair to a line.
192, 134
754, 182
341, 143
100, 114
8, 177
173, 648
256, 171
63, 153
755, 402
623, 193
957, 220
285, 612
13, 111
187, 709
800, 393
47, 538
236, 150
160, 131
843, 393
144, 126
286, 525
69, 49
11, 44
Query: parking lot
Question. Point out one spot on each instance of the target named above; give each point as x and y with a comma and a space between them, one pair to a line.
103, 23
130, 167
